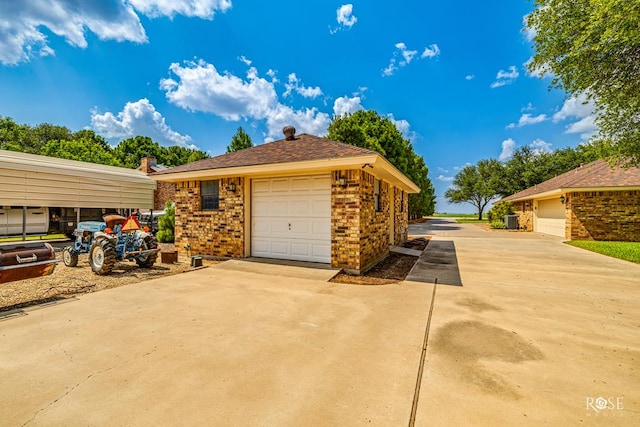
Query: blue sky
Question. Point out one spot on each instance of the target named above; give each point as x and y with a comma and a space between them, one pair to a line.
452, 75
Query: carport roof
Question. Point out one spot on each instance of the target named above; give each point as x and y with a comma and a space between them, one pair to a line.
598, 175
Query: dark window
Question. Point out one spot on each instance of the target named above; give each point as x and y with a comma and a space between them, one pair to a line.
209, 191
401, 201
376, 194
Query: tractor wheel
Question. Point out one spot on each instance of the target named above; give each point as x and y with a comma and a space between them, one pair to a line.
147, 261
102, 256
69, 257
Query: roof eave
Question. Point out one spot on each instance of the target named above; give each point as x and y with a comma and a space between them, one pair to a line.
381, 167
309, 166
563, 190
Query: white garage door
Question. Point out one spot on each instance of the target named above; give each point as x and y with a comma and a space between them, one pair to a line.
551, 217
291, 218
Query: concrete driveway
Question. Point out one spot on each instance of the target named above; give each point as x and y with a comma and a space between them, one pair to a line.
538, 332
239, 344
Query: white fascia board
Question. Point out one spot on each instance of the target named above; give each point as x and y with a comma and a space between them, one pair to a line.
311, 166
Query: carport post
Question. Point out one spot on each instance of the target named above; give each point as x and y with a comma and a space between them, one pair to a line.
24, 223
77, 217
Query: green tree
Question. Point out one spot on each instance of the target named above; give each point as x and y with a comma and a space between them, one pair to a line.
367, 129
83, 149
592, 47
239, 141
166, 223
130, 151
477, 184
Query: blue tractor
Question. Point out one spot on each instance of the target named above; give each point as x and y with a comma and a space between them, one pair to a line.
116, 239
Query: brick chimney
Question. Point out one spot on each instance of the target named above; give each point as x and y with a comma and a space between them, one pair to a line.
289, 133
145, 164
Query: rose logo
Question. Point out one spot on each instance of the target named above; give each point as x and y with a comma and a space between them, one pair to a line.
601, 403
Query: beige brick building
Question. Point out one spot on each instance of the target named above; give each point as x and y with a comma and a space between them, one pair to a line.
593, 202
301, 198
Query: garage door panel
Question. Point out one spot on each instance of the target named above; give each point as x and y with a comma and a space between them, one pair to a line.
320, 228
300, 208
300, 184
294, 216
279, 185
300, 249
322, 250
260, 186
301, 228
551, 217
321, 208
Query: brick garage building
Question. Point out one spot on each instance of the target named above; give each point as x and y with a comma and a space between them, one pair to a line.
592, 202
301, 198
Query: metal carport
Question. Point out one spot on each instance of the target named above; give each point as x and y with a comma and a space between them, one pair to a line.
29, 180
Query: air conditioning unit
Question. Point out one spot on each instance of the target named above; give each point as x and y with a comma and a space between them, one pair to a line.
511, 221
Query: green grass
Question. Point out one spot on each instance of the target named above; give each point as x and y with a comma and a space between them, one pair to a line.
628, 251
30, 238
473, 220
454, 215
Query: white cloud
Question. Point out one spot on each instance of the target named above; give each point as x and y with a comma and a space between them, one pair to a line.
204, 9
444, 178
441, 169
244, 59
527, 119
391, 68
459, 168
431, 51
21, 22
403, 126
578, 107
345, 18
272, 73
198, 86
137, 118
540, 146
505, 77
346, 105
529, 107
469, 77
406, 56
295, 84
508, 147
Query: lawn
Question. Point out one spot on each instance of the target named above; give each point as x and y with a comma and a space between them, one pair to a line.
473, 220
628, 251
454, 215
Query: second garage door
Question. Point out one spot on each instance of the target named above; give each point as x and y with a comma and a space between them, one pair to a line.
291, 218
551, 217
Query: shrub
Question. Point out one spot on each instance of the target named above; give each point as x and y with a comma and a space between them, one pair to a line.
498, 224
166, 224
498, 211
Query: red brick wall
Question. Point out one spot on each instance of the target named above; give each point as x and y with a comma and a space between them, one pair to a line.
401, 213
217, 233
604, 215
359, 233
164, 192
374, 225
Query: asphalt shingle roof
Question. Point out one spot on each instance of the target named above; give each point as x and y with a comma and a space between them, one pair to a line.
304, 147
591, 175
